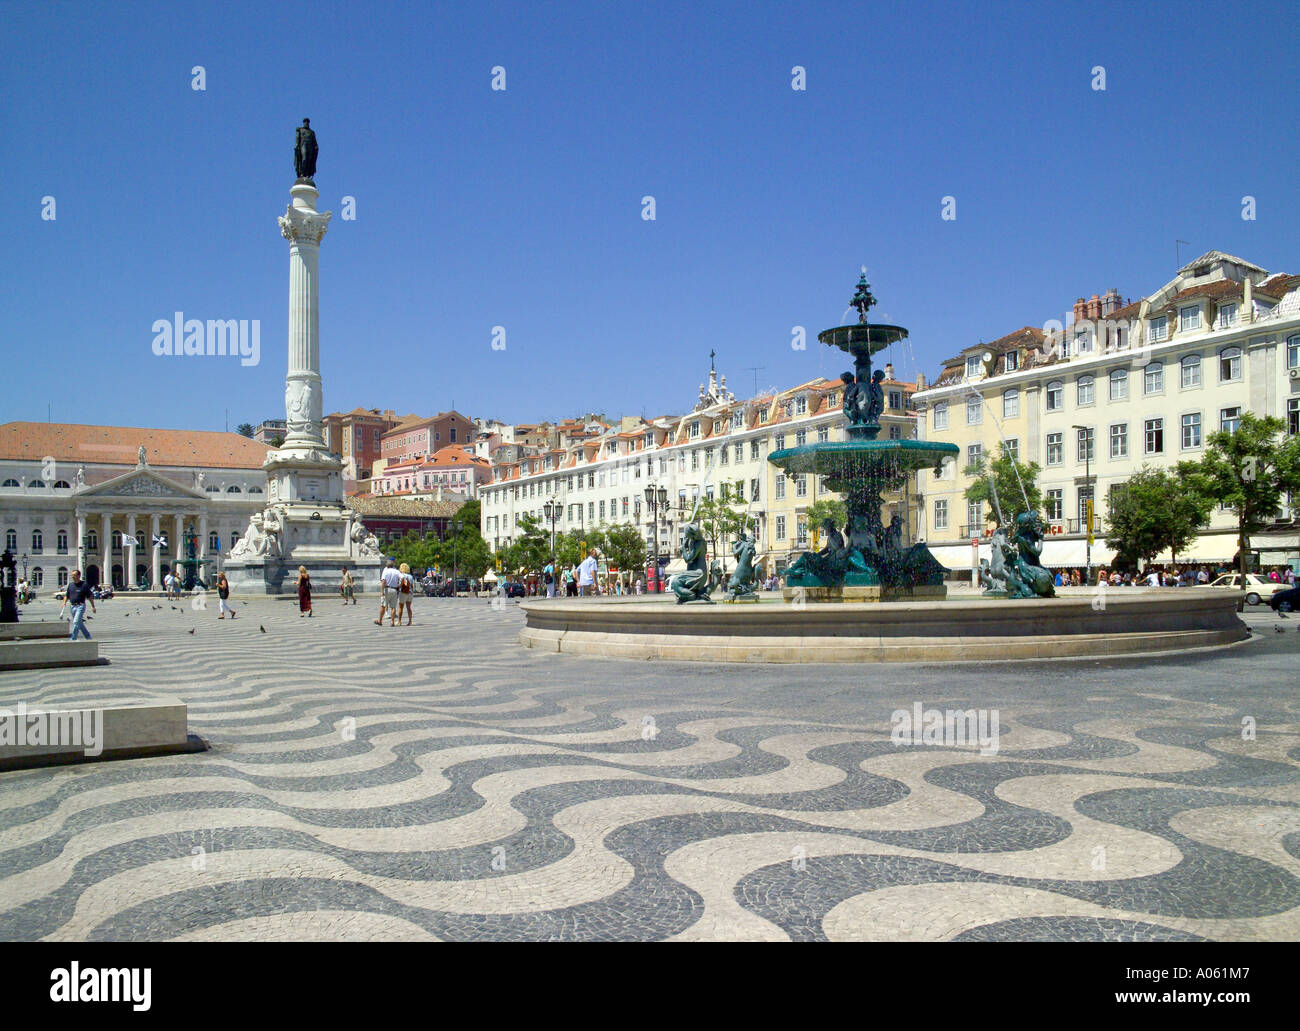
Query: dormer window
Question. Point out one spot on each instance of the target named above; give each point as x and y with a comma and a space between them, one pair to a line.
1010, 361
1227, 315
695, 429
801, 405
972, 367
1189, 318
1158, 330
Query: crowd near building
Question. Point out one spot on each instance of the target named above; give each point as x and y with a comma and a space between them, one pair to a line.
1118, 385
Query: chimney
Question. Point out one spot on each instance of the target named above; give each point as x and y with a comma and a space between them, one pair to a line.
1094, 308
889, 370
1110, 302
920, 381
1248, 302
1078, 310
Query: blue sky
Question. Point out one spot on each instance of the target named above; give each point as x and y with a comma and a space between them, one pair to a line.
522, 208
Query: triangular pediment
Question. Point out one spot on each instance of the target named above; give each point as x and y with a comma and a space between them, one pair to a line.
140, 483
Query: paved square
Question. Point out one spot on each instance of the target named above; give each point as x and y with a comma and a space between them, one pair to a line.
440, 781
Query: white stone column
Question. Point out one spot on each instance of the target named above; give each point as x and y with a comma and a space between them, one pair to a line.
155, 572
178, 542
81, 542
106, 542
303, 226
128, 553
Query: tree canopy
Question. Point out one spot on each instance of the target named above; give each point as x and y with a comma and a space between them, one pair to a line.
1154, 511
1251, 470
999, 477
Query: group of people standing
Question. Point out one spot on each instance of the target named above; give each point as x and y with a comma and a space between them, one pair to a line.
398, 587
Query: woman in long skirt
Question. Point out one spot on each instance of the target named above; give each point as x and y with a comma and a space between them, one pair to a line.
304, 592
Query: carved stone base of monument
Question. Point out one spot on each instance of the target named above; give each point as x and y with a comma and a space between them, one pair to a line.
809, 595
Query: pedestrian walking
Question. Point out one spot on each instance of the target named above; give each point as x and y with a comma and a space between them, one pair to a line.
548, 578
223, 596
346, 586
405, 591
391, 580
304, 592
570, 583
78, 595
587, 575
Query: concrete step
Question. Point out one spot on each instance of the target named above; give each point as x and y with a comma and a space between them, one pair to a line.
35, 630
48, 653
51, 735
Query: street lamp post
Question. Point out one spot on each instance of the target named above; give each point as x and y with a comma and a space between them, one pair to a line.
455, 532
552, 512
1088, 504
656, 500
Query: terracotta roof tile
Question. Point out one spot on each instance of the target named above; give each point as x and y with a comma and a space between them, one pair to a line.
117, 445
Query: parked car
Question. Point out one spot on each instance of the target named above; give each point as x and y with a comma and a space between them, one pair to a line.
514, 590
1256, 587
1287, 600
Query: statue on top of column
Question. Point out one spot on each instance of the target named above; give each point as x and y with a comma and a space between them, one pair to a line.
305, 151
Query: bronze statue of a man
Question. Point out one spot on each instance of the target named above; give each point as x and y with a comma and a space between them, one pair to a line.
305, 151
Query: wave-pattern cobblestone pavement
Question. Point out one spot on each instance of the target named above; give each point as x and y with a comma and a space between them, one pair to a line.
440, 782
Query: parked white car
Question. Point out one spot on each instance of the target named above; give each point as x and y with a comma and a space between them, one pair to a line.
1256, 587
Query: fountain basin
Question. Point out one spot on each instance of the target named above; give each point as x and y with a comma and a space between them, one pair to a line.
1137, 622
838, 458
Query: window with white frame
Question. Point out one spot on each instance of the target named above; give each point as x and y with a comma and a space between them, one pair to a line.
1189, 318
800, 438
1085, 390
1055, 395
1010, 403
1119, 384
1229, 419
1154, 436
1293, 415
1011, 448
940, 415
1055, 448
1119, 440
1055, 504
1082, 341
974, 452
895, 432
974, 410
1229, 364
753, 450
1293, 352
1011, 361
941, 514
1158, 330
1153, 378
779, 532
1227, 315
1190, 368
974, 517
801, 485
1191, 423
1084, 451
972, 367
780, 486
778, 442
823, 434
801, 405
896, 399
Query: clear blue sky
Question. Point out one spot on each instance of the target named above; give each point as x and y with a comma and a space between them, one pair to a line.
523, 208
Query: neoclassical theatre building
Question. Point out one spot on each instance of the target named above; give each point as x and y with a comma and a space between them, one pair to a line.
96, 498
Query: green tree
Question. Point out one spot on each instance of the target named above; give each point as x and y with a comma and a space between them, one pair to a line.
245, 429
569, 546
625, 547
532, 545
719, 518
1154, 511
1000, 477
1250, 470
277, 441
825, 508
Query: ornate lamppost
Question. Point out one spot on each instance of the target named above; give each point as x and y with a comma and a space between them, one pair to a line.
656, 499
552, 512
8, 588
